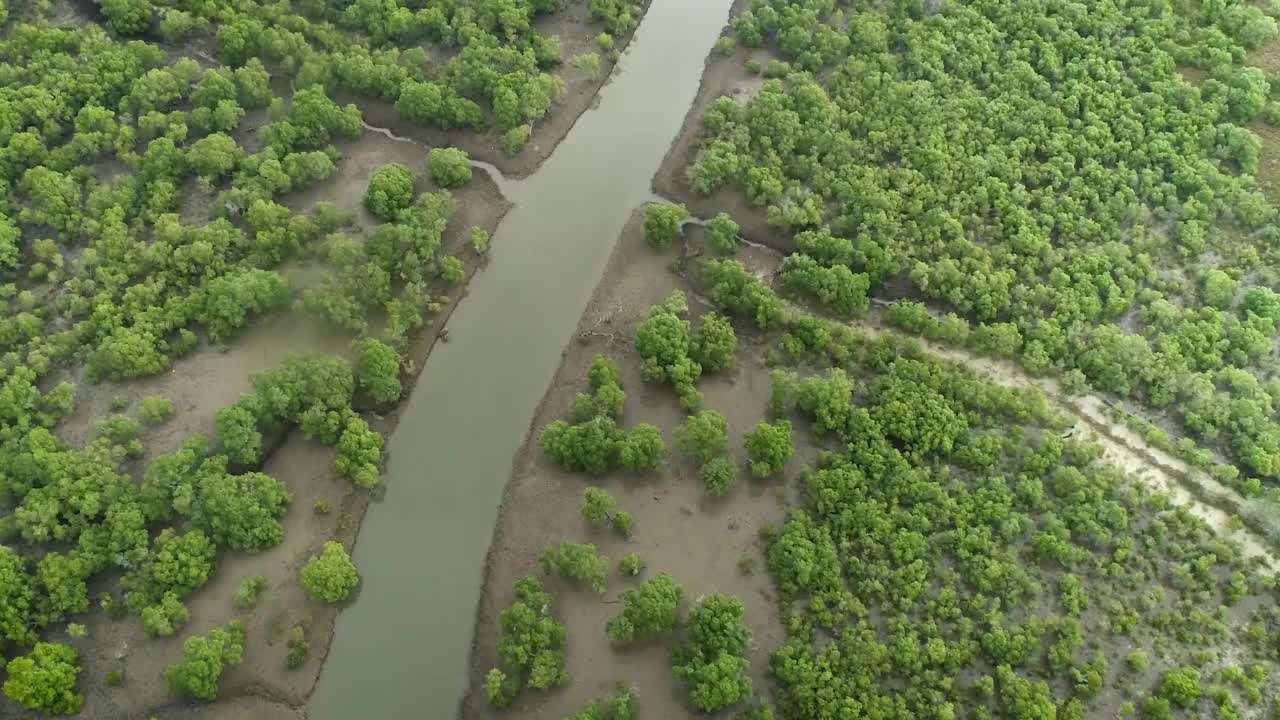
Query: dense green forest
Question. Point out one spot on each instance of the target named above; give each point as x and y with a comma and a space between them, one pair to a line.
1076, 180
957, 558
148, 153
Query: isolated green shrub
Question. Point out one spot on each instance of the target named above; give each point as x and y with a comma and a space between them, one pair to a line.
391, 189
648, 611
598, 507
45, 679
703, 436
449, 167
576, 561
662, 222
203, 659
769, 447
247, 594
298, 648
719, 476
377, 369
631, 564
155, 409
330, 576
642, 449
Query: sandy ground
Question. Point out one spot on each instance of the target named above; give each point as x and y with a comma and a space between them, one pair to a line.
679, 530
577, 32
201, 384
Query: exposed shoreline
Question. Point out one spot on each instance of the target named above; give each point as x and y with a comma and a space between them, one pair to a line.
472, 700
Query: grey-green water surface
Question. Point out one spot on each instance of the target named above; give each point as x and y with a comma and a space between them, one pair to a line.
401, 651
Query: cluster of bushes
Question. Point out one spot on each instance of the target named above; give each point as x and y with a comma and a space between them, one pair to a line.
1003, 559
712, 659
593, 442
203, 659
499, 73
529, 646
703, 436
996, 547
648, 611
389, 270
82, 500
312, 393
672, 353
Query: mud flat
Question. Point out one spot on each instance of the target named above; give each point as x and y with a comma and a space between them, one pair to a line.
678, 529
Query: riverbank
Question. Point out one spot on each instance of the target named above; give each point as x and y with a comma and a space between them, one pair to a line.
199, 385
723, 75
700, 541
452, 454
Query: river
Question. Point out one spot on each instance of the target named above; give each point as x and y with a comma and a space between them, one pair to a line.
401, 651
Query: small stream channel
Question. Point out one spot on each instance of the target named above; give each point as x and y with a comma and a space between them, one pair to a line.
402, 650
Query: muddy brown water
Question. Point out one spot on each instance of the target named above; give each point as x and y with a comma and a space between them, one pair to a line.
401, 651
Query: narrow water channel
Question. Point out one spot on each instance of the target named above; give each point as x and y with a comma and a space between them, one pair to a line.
401, 651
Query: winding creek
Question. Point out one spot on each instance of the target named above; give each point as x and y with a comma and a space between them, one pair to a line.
402, 650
